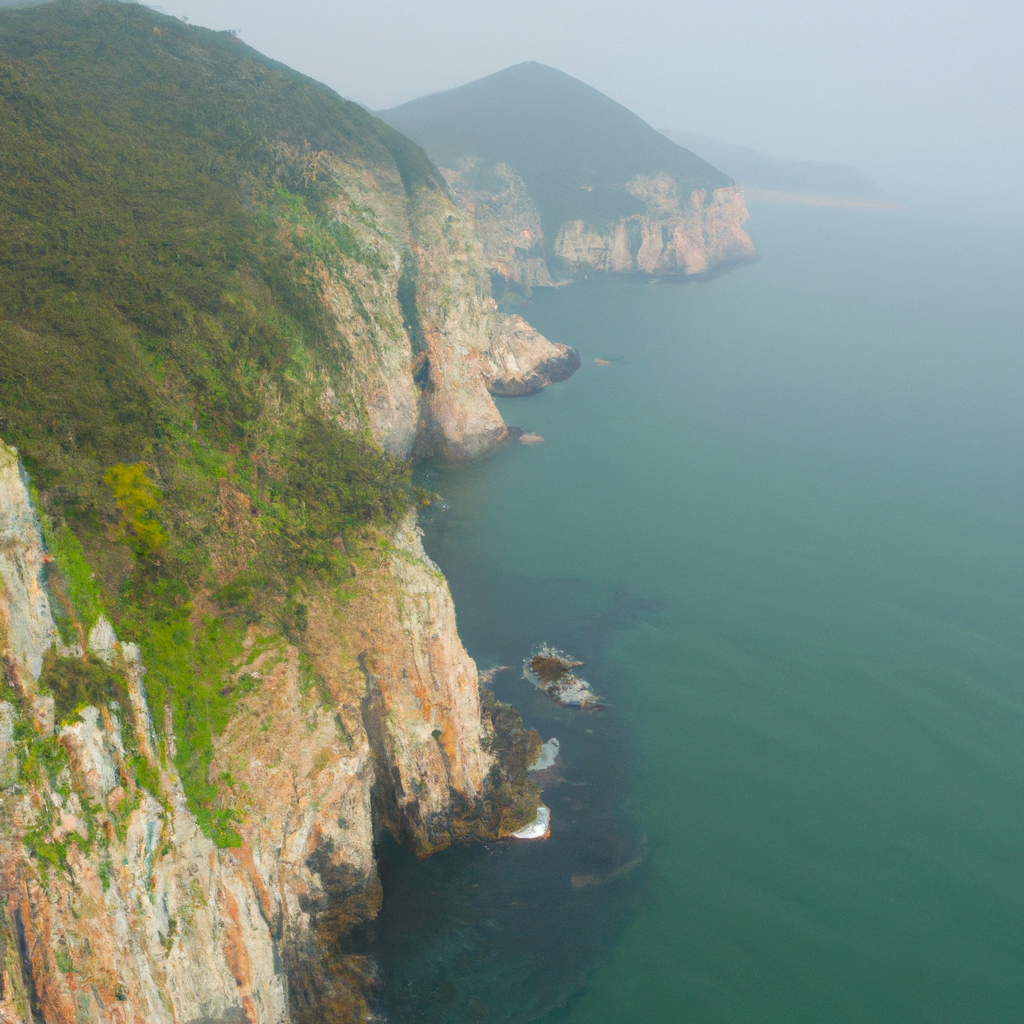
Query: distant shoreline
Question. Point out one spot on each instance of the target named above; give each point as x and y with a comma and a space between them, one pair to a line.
809, 199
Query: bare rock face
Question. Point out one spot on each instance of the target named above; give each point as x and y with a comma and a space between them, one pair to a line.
458, 318
682, 235
115, 907
671, 238
301, 776
27, 629
413, 303
521, 360
91, 754
505, 219
404, 680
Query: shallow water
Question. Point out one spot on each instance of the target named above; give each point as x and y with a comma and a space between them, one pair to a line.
785, 531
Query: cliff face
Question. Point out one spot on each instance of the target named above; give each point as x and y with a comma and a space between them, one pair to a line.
505, 219
227, 663
113, 904
677, 235
671, 238
418, 378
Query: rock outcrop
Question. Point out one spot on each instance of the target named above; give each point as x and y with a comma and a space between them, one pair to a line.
676, 236
521, 360
670, 239
27, 629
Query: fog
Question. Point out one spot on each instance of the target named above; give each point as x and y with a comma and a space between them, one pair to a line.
924, 97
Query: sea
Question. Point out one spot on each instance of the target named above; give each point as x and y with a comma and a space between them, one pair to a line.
782, 525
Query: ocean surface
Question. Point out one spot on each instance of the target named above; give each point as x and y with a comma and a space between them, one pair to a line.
784, 529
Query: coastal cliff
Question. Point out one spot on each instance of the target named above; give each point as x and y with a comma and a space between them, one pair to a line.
115, 906
676, 235
673, 237
228, 665
561, 181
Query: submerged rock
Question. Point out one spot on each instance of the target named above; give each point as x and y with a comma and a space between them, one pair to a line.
550, 670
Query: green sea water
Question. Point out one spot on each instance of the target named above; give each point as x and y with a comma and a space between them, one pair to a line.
784, 528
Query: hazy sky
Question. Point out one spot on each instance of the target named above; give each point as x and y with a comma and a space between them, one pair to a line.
907, 91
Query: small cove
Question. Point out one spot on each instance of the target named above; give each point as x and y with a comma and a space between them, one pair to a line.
783, 531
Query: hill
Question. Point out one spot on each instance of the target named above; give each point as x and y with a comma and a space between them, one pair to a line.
561, 180
233, 307
574, 147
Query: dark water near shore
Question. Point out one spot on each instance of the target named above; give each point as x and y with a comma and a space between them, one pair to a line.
786, 533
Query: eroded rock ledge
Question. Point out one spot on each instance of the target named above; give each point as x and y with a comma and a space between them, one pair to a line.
521, 360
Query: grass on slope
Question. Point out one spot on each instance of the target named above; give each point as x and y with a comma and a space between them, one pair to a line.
155, 316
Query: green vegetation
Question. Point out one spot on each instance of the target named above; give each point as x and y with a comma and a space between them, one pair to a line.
164, 344
137, 499
575, 148
77, 682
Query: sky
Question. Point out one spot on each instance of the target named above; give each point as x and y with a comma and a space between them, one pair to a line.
927, 98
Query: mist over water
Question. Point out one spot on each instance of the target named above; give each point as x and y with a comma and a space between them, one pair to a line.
785, 529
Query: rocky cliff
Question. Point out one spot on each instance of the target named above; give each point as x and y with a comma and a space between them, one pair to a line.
114, 906
232, 308
676, 235
561, 180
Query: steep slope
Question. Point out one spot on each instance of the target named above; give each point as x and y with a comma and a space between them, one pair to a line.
555, 171
232, 307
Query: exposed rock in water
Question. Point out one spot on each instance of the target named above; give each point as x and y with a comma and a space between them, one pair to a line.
487, 676
551, 670
521, 360
528, 438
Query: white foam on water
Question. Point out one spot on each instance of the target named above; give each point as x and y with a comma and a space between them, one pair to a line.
547, 756
538, 828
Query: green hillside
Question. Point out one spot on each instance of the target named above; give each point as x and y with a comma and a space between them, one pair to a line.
160, 327
574, 147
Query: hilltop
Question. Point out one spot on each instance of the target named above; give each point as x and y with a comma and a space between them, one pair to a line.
561, 178
574, 147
